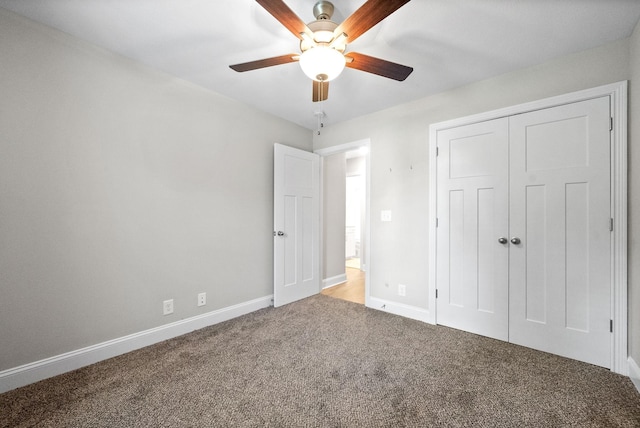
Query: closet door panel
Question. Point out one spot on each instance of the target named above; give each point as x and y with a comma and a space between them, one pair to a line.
560, 272
472, 210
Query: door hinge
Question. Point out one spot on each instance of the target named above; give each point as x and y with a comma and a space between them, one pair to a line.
611, 326
436, 293
437, 150
611, 225
611, 124
436, 221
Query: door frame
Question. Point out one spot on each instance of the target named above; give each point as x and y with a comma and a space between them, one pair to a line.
618, 104
365, 143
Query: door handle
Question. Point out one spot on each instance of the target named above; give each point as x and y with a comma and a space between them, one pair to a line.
515, 240
502, 240
280, 233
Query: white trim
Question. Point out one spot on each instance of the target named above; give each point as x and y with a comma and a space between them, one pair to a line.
407, 311
53, 366
334, 280
341, 148
634, 373
619, 195
618, 94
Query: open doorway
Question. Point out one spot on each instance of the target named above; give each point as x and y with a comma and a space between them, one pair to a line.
345, 225
355, 194
355, 210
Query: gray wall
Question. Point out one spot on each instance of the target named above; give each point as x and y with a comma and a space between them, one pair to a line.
634, 197
399, 157
121, 187
334, 202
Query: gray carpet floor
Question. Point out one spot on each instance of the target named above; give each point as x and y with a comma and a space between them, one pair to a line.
323, 362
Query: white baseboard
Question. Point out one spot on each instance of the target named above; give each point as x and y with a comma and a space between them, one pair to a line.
334, 280
634, 373
53, 366
403, 310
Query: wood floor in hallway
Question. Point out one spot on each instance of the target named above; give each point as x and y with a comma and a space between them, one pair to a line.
351, 290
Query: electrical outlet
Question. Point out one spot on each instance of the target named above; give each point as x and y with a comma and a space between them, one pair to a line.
385, 215
402, 290
167, 307
202, 299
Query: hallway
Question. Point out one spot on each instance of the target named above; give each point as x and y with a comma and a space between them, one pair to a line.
351, 290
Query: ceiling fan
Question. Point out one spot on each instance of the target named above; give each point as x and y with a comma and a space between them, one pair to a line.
323, 43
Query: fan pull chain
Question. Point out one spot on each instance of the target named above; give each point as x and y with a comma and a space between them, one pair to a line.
320, 115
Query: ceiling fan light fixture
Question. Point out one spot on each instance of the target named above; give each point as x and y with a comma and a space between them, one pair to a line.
323, 36
322, 63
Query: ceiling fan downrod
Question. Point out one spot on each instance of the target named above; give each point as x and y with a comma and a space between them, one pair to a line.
323, 10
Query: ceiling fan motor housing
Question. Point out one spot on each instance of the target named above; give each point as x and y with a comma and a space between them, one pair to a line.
322, 35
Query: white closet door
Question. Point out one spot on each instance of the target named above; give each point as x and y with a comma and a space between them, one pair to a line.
472, 211
560, 273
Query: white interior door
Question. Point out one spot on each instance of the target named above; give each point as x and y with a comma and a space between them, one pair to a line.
560, 282
296, 220
472, 212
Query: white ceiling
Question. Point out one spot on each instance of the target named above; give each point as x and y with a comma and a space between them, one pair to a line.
449, 43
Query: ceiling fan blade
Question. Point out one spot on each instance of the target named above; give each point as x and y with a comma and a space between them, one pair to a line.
378, 66
369, 14
320, 91
267, 62
286, 17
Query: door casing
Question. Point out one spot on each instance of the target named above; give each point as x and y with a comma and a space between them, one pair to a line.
618, 94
